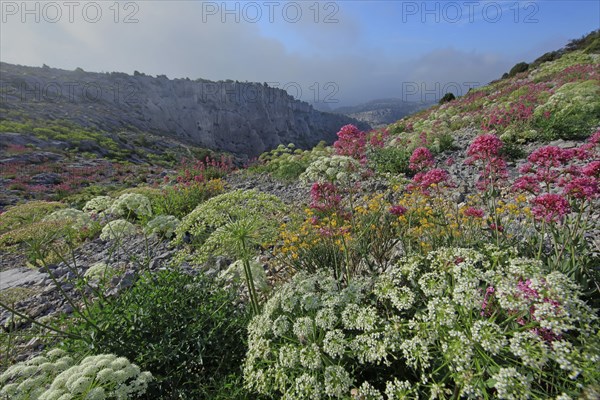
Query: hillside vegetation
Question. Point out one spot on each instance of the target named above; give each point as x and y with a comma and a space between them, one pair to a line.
453, 254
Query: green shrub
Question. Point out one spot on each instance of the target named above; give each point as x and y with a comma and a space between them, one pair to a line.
222, 209
78, 219
456, 323
98, 205
572, 112
180, 199
518, 68
447, 98
390, 159
23, 214
288, 162
154, 195
343, 170
186, 330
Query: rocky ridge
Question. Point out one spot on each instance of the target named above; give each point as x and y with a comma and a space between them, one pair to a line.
241, 118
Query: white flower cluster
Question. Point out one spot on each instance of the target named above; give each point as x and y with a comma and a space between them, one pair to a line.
117, 229
78, 219
163, 225
98, 271
307, 331
131, 205
98, 205
105, 376
235, 273
30, 379
454, 318
335, 169
56, 376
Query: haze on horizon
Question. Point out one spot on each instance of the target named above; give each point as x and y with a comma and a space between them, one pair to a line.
335, 52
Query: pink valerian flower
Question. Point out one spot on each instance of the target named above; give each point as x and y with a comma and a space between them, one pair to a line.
450, 161
595, 138
424, 180
351, 142
526, 290
493, 171
397, 210
377, 138
474, 212
420, 160
485, 150
527, 183
584, 187
551, 156
550, 207
484, 147
592, 169
496, 228
484, 306
324, 197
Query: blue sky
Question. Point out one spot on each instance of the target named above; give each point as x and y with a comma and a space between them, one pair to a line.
339, 52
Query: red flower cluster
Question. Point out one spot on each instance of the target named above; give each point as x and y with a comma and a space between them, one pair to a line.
551, 167
424, 180
352, 143
502, 117
474, 212
324, 197
421, 159
485, 150
550, 207
398, 210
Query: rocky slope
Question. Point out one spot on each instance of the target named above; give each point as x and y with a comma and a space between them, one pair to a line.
242, 118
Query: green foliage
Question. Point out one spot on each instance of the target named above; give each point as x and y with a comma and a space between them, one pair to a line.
79, 199
518, 68
390, 159
65, 131
225, 208
456, 322
180, 199
447, 98
98, 205
572, 112
187, 331
23, 214
288, 162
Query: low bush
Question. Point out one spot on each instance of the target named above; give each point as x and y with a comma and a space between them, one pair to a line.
23, 214
222, 209
572, 112
187, 331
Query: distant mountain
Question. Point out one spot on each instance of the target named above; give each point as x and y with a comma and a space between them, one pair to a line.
382, 111
241, 118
